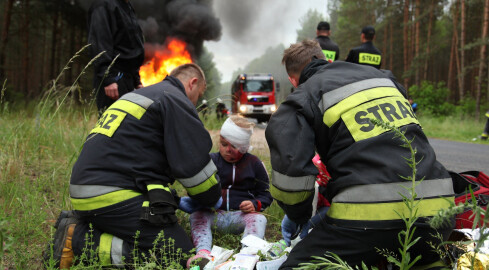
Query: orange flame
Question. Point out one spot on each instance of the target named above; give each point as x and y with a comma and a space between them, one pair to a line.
165, 59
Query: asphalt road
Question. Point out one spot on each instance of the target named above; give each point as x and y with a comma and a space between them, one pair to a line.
460, 157
455, 156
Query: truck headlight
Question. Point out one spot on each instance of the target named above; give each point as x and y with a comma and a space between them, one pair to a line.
273, 108
242, 108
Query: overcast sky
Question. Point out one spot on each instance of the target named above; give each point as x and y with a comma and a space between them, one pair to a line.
249, 27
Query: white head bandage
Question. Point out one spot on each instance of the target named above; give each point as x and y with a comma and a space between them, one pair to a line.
239, 137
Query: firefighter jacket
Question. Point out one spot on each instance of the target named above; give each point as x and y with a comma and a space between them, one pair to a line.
329, 47
113, 28
145, 141
244, 180
329, 113
365, 54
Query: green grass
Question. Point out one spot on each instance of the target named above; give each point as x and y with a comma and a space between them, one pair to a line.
39, 142
38, 147
456, 128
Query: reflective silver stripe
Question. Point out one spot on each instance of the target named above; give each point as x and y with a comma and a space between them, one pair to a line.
290, 183
116, 251
390, 191
200, 177
138, 99
332, 97
88, 191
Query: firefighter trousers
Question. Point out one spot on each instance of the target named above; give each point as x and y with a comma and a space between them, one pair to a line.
357, 245
110, 235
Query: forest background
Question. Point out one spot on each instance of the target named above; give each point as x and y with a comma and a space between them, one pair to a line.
436, 48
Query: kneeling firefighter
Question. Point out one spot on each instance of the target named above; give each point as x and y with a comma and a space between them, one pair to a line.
119, 186
329, 113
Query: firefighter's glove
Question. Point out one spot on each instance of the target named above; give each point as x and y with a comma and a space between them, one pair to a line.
160, 210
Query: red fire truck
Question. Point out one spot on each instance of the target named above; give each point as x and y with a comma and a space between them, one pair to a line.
254, 96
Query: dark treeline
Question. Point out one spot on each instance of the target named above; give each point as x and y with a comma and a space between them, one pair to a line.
37, 40
433, 40
421, 40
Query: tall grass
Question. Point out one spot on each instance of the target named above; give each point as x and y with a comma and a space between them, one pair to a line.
457, 128
39, 144
38, 147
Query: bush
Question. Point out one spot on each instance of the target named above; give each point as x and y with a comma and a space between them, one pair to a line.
467, 107
431, 98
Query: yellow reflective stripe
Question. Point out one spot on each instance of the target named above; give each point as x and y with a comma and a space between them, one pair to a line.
390, 110
369, 58
203, 187
200, 177
334, 113
290, 198
330, 55
146, 204
104, 249
129, 107
155, 186
103, 200
386, 211
109, 122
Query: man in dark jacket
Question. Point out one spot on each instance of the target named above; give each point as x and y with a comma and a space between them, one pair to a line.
113, 29
367, 53
485, 133
329, 113
329, 47
120, 183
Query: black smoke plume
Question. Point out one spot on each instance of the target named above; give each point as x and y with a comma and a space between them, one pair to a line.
192, 21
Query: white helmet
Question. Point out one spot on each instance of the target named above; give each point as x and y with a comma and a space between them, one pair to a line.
219, 100
204, 101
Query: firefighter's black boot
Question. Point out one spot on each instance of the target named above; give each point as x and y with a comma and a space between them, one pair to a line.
61, 248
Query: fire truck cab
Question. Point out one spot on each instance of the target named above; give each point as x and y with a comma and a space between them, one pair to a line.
254, 96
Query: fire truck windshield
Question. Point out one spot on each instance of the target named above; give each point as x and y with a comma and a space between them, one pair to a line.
258, 86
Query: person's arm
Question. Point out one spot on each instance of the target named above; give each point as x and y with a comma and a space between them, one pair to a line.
351, 57
291, 140
137, 80
187, 145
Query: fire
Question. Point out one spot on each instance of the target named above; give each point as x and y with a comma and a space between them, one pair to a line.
165, 59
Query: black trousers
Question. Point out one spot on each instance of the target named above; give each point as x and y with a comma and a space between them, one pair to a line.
122, 221
125, 85
486, 128
360, 245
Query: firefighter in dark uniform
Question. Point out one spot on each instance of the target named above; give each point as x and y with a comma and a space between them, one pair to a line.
120, 183
330, 48
329, 113
367, 53
113, 28
485, 133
